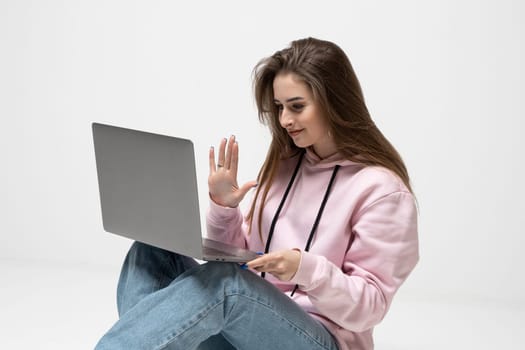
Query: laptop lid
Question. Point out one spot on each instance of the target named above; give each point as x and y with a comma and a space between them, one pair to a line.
148, 188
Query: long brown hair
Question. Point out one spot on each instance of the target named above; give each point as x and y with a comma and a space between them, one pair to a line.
326, 69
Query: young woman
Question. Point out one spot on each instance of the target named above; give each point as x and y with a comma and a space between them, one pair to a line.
333, 213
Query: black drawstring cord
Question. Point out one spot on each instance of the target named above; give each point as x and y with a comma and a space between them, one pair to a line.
318, 218
274, 221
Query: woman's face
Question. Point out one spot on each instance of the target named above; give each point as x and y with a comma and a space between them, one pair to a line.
301, 116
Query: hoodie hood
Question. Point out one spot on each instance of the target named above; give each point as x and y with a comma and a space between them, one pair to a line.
313, 160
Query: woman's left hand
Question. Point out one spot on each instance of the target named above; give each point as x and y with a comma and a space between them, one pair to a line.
283, 264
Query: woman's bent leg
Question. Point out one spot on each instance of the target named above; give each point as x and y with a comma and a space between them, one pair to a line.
147, 269
213, 299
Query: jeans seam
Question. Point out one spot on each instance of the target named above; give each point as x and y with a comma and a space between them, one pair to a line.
206, 312
293, 325
191, 324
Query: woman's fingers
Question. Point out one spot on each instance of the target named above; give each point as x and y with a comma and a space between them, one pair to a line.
246, 187
211, 156
222, 181
227, 154
221, 155
228, 159
262, 264
234, 159
282, 265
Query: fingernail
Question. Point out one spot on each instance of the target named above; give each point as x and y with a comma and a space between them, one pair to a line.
244, 266
259, 253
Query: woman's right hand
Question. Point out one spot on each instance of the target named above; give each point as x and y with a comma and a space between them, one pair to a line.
222, 181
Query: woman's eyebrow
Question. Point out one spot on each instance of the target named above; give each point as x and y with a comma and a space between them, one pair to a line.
296, 98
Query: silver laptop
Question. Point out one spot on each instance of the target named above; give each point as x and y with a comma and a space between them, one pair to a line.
148, 192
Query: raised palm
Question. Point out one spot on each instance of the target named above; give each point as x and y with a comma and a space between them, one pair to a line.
222, 180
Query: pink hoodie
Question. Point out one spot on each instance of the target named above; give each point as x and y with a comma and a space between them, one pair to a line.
365, 246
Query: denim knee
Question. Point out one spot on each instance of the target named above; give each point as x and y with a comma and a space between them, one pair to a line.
220, 270
229, 278
139, 249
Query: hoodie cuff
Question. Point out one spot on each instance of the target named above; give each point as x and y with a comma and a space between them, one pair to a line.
309, 269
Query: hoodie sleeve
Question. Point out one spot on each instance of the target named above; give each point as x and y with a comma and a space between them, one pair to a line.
383, 252
226, 224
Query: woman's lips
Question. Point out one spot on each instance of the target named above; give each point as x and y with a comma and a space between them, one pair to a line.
294, 133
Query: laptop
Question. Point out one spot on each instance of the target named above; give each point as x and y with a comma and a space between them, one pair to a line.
148, 192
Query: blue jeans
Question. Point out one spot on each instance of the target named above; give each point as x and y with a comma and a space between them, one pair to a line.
169, 301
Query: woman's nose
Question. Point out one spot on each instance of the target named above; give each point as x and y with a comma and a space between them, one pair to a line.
285, 118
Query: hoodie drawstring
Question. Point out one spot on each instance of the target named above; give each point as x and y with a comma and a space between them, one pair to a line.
317, 219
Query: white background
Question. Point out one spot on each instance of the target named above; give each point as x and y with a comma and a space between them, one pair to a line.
444, 81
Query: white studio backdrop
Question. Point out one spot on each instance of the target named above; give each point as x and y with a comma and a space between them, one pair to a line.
444, 80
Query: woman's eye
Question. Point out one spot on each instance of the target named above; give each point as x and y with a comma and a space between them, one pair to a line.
298, 106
